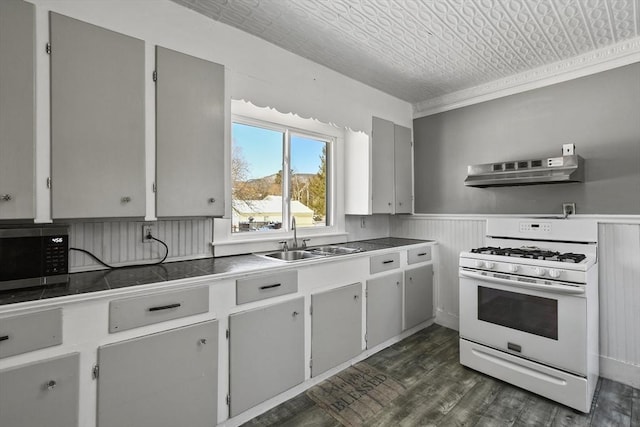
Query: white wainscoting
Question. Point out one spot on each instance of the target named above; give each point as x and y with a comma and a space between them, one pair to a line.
619, 278
120, 242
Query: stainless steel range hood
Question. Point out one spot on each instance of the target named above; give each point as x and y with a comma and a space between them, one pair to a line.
553, 170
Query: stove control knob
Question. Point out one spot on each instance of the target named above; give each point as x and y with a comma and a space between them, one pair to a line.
489, 264
513, 268
539, 271
479, 264
554, 273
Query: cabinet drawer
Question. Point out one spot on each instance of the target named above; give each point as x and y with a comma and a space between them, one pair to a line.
129, 313
28, 332
267, 286
384, 262
419, 255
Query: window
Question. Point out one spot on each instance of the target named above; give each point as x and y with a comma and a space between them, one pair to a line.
278, 173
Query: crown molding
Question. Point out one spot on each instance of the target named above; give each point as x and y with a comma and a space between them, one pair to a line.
596, 61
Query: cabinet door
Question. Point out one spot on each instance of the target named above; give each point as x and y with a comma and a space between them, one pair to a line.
97, 121
166, 379
17, 109
384, 308
418, 295
190, 135
41, 394
336, 327
382, 165
403, 170
266, 353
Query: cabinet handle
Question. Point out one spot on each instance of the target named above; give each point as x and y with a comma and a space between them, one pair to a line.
422, 254
514, 347
270, 286
5, 197
165, 307
202, 341
51, 385
400, 203
355, 297
294, 314
389, 261
211, 200
125, 199
4, 337
389, 203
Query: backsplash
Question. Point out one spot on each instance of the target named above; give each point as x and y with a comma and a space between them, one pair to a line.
120, 242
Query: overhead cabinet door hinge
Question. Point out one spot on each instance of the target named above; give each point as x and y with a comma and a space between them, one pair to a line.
228, 400
47, 48
95, 372
155, 76
227, 334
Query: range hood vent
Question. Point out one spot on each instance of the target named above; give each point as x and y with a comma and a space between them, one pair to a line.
553, 170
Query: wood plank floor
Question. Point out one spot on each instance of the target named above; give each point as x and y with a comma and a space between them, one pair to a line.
441, 392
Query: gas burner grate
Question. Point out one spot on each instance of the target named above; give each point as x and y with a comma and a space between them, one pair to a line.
531, 253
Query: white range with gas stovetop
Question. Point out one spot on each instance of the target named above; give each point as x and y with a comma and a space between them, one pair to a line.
529, 307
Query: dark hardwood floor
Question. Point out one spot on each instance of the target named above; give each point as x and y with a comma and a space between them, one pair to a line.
437, 391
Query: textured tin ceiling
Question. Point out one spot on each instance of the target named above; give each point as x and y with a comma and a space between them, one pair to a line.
420, 50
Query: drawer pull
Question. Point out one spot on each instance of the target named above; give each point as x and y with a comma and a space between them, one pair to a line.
270, 286
389, 261
422, 254
514, 347
165, 307
51, 385
4, 337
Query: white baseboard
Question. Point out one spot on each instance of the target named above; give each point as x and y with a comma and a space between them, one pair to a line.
448, 320
622, 372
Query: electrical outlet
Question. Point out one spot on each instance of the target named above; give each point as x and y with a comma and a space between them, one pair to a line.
148, 229
568, 209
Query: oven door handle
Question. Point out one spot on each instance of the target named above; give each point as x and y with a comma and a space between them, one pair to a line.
558, 289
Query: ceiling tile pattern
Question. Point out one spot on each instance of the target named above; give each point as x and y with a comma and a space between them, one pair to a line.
420, 50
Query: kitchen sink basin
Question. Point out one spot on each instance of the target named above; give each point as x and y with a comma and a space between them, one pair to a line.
295, 255
334, 250
316, 252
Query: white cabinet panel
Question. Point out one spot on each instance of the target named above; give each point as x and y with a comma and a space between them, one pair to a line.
166, 379
97, 121
336, 327
17, 109
190, 135
384, 308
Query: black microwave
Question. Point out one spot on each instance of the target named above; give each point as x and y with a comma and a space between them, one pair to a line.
33, 256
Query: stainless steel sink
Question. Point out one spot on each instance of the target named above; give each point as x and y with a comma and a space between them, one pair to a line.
295, 255
334, 250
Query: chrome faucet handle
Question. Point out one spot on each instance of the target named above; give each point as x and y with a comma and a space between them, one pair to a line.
304, 243
285, 245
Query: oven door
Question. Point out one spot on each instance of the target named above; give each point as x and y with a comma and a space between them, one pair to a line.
545, 322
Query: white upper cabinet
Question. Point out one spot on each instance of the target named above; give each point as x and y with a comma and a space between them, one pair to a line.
190, 135
382, 169
17, 109
97, 121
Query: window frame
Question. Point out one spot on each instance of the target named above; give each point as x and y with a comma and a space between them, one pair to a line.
289, 131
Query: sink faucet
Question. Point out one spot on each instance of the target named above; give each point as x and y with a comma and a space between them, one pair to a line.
295, 232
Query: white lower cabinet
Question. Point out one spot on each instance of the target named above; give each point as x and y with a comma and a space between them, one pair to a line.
165, 379
266, 353
418, 295
43, 393
336, 327
384, 308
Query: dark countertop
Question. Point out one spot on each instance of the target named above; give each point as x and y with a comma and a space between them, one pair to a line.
104, 280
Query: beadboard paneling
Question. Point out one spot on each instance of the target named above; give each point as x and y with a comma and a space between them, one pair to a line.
619, 282
453, 236
619, 273
120, 242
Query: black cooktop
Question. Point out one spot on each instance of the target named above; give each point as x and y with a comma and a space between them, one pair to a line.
531, 253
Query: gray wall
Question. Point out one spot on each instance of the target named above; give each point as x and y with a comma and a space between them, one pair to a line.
600, 114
